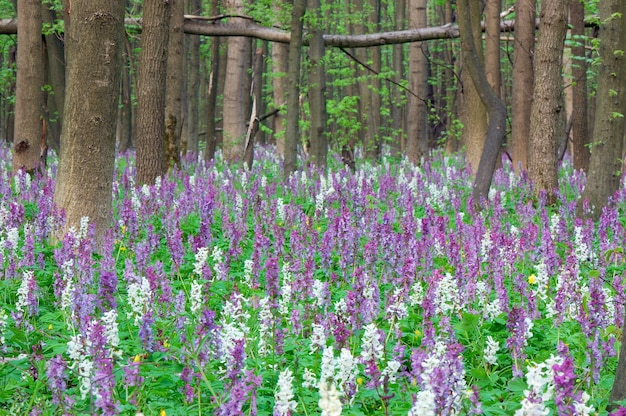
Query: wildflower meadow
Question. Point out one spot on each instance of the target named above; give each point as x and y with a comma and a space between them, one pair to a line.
225, 291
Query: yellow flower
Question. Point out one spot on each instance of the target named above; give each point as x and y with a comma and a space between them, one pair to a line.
532, 279
162, 413
418, 333
166, 343
359, 381
50, 327
122, 248
137, 358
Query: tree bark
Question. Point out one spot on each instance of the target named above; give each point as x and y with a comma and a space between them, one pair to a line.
523, 80
29, 140
317, 90
150, 140
494, 106
193, 84
417, 114
235, 92
605, 166
126, 110
545, 118
211, 133
492, 44
580, 126
55, 70
293, 92
280, 53
397, 107
85, 171
473, 114
174, 84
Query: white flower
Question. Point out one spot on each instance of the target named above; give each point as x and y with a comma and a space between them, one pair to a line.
13, 236
195, 297
201, 255
280, 210
391, 371
318, 338
309, 379
4, 321
109, 321
329, 400
347, 369
372, 349
581, 408
424, 404
284, 394
285, 292
139, 296
22, 292
490, 351
265, 322
447, 297
530, 408
328, 364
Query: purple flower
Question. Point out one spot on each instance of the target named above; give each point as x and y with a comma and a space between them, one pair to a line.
57, 378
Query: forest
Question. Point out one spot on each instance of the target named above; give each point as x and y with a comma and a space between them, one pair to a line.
354, 207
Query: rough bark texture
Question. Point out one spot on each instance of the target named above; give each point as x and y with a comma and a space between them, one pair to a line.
472, 110
193, 84
605, 166
280, 52
546, 127
174, 84
580, 126
417, 114
293, 91
150, 136
523, 79
317, 92
85, 171
495, 108
235, 93
492, 44
125, 115
29, 130
55, 71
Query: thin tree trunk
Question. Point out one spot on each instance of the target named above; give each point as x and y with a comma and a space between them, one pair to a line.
492, 44
174, 84
523, 80
125, 118
211, 133
151, 92
55, 66
473, 113
293, 92
397, 108
417, 114
317, 91
193, 86
29, 140
580, 126
546, 127
494, 106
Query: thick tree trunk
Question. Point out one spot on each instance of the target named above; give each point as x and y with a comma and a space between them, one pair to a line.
317, 91
150, 140
546, 127
174, 84
29, 140
494, 106
605, 166
472, 112
85, 171
580, 126
235, 93
417, 112
523, 79
293, 92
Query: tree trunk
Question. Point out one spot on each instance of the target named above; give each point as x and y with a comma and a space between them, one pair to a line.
29, 140
546, 127
580, 126
492, 44
174, 84
317, 90
293, 92
523, 80
55, 70
397, 107
605, 166
85, 171
235, 93
417, 114
374, 121
473, 113
280, 53
193, 86
125, 114
494, 106
150, 139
